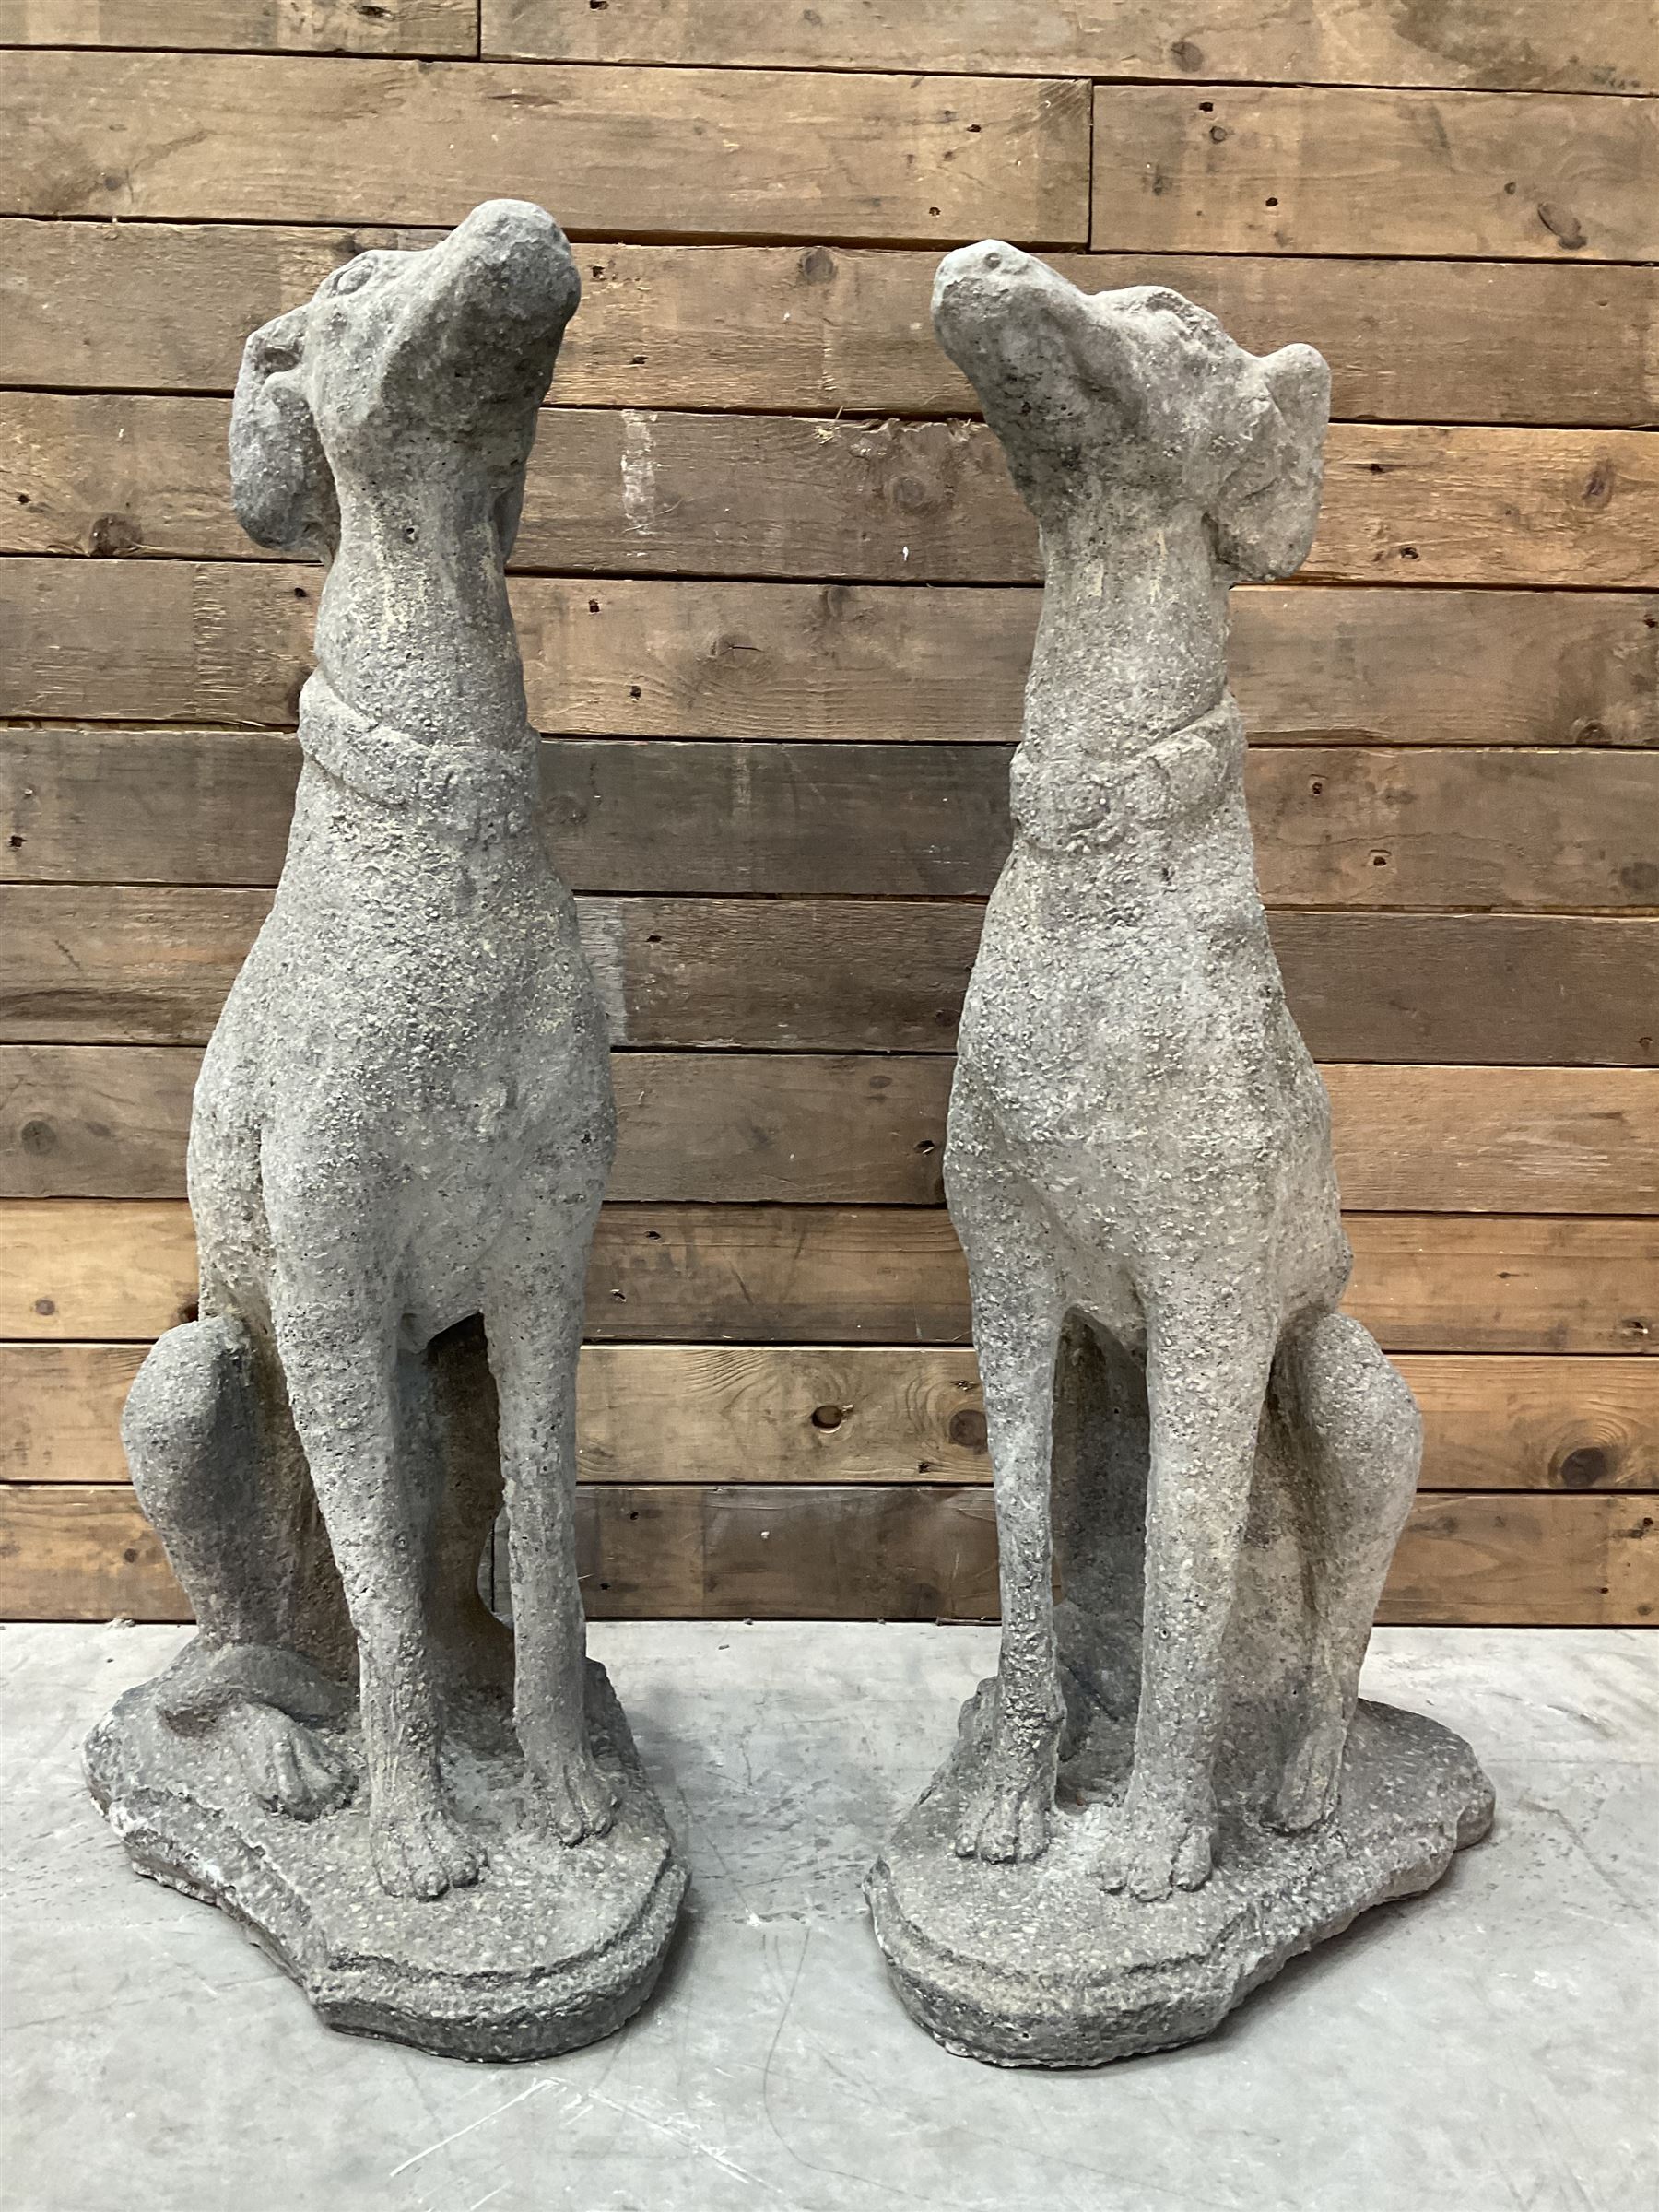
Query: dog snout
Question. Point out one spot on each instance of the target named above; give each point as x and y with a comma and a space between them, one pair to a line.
510, 258
976, 276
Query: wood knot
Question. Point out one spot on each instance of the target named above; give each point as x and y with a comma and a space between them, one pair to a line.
1598, 484
112, 535
967, 1429
1562, 225
1585, 1468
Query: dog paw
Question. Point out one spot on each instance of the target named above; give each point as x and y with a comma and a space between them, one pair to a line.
1007, 1821
1008, 1810
1307, 1790
1152, 1850
290, 1768
420, 1848
572, 1798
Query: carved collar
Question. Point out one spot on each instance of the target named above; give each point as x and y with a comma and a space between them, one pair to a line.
473, 794
1068, 797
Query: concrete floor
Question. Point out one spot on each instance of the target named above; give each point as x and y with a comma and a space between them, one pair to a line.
1490, 2047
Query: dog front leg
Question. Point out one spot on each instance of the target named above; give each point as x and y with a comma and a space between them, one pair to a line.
337, 1358
533, 1341
1016, 1318
1208, 1361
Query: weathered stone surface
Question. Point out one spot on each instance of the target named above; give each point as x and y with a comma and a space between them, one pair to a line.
552, 1949
1037, 1964
400, 1140
1214, 1461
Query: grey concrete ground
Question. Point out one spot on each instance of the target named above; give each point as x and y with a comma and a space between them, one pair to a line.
1490, 2047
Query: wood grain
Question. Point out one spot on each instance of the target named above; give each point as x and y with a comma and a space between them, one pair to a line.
82, 1554
664, 1413
698, 1127
1301, 170
663, 153
1492, 1561
1571, 1140
1422, 1282
161, 641
776, 496
1497, 1424
1531, 45
74, 1269
110, 1121
901, 1552
794, 330
100, 964
61, 1413
879, 1413
106, 1270
1377, 828
929, 1553
445, 27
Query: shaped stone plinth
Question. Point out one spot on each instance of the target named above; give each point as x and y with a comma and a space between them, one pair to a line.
552, 1949
1037, 1964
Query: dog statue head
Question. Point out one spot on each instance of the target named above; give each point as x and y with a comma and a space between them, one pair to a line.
401, 362
1119, 407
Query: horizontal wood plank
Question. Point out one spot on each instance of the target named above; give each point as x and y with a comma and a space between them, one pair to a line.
1497, 1424
110, 1121
71, 1269
424, 27
161, 641
880, 1413
929, 1553
776, 496
901, 1552
664, 1413
89, 1269
643, 152
82, 1554
1382, 828
1495, 1562
61, 1418
697, 1127
165, 307
1571, 1140
100, 964
1531, 45
1302, 169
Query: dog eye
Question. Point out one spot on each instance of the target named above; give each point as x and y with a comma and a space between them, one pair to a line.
353, 276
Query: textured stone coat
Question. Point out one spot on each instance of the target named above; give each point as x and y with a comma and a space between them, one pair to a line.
1139, 1156
404, 1121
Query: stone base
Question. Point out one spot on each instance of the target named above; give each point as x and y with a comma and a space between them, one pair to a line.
552, 1948
1038, 1965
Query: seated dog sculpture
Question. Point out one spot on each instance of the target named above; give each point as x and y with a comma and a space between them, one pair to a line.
404, 1121
1139, 1155
1169, 1787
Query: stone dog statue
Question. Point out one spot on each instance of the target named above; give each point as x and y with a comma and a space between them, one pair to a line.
403, 1126
1137, 1135
1138, 1160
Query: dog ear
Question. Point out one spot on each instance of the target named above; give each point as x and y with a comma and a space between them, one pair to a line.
280, 480
1264, 514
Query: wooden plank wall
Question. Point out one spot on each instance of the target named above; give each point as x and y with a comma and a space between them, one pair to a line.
776, 595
